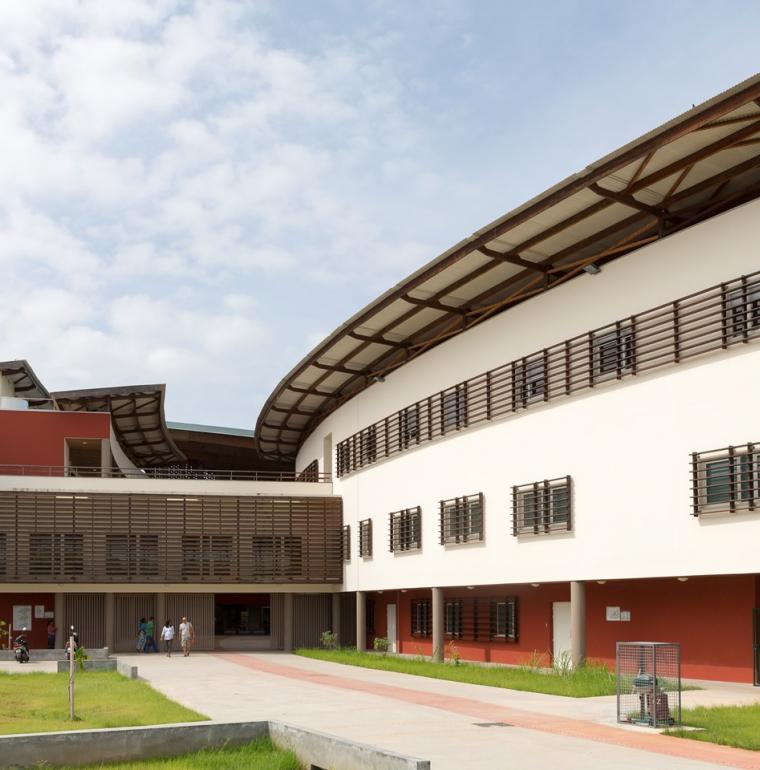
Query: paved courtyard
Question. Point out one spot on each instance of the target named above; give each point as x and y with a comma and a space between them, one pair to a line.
454, 725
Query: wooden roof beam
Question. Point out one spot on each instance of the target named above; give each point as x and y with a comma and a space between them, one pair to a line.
627, 200
311, 392
338, 367
434, 304
377, 338
512, 259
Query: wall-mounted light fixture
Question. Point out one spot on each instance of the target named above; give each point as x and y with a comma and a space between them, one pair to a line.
682, 579
378, 378
535, 585
470, 588
592, 269
601, 582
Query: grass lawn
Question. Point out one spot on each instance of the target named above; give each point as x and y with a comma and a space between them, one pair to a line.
729, 725
257, 755
586, 682
39, 702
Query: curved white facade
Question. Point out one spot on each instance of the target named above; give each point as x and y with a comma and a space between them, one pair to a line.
626, 444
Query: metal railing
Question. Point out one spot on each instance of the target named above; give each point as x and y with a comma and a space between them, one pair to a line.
717, 318
173, 473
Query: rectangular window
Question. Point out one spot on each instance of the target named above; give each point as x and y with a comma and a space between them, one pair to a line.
543, 506
454, 408
461, 519
504, 619
405, 530
346, 542
530, 381
743, 310
613, 352
453, 618
409, 426
206, 555
365, 538
131, 554
726, 479
343, 457
56, 554
421, 617
276, 556
368, 445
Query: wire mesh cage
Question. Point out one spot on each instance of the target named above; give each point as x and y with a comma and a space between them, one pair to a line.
649, 683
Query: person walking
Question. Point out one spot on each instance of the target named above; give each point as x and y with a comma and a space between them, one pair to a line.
167, 637
52, 630
150, 635
141, 635
186, 636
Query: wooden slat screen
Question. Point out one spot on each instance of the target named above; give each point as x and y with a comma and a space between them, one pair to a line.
199, 609
125, 538
86, 613
312, 614
128, 609
713, 319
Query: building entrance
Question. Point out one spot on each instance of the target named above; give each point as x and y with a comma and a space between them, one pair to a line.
242, 621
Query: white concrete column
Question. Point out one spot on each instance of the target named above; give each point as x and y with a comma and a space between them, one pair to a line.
59, 621
578, 622
437, 624
287, 623
110, 620
335, 624
361, 620
105, 457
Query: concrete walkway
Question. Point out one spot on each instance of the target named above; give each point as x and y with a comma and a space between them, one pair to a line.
454, 725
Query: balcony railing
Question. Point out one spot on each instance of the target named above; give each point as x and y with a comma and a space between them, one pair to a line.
173, 473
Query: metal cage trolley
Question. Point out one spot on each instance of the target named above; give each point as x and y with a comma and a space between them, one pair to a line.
649, 683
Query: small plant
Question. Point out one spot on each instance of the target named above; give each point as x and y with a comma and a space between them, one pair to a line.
381, 644
454, 655
563, 664
536, 662
418, 654
329, 640
80, 656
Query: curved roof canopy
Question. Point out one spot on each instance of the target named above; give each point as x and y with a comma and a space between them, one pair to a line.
697, 165
137, 416
26, 383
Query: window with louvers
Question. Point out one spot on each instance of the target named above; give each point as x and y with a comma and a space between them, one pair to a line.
503, 619
347, 542
461, 519
452, 616
3, 553
542, 507
405, 530
131, 554
365, 538
277, 556
56, 554
726, 479
422, 621
206, 555
454, 408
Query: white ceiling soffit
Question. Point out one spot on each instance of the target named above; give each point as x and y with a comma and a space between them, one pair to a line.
699, 164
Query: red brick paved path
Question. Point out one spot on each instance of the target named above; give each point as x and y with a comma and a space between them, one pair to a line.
529, 720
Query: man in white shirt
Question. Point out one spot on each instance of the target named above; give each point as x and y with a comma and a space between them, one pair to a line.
186, 636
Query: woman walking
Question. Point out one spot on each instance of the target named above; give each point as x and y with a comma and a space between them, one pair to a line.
167, 637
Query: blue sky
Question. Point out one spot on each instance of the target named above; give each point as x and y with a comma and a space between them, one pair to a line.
197, 193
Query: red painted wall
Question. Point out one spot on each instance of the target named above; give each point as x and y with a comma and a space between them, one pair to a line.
37, 438
37, 636
710, 616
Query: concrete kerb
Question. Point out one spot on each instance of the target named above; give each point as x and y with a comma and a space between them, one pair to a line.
85, 747
91, 665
